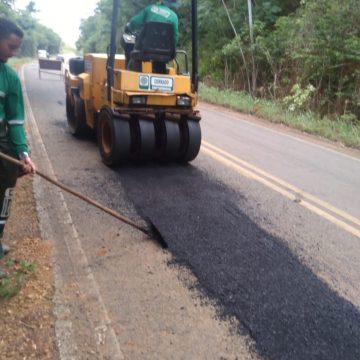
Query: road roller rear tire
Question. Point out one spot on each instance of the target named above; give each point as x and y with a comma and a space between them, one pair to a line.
75, 113
77, 65
190, 140
70, 109
143, 139
114, 139
169, 140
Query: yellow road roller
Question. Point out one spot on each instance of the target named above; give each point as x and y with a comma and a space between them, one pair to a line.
146, 114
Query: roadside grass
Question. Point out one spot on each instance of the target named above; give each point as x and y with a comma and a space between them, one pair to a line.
341, 130
19, 273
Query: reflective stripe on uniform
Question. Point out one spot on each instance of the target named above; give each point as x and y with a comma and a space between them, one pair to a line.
15, 122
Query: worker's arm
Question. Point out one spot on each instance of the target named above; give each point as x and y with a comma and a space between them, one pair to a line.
15, 115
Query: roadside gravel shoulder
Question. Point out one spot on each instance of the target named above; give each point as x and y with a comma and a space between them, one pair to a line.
27, 320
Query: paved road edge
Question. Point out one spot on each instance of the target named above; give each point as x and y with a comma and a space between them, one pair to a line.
107, 343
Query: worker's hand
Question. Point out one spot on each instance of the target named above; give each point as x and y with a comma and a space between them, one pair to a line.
28, 166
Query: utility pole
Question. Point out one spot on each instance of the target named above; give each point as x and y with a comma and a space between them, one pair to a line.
250, 22
241, 51
253, 74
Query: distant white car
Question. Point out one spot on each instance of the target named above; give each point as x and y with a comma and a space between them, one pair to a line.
43, 54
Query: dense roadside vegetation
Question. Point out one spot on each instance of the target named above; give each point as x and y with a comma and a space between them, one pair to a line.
304, 54
345, 131
37, 36
299, 57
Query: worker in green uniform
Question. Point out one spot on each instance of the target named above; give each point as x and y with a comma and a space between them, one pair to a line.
159, 12
12, 116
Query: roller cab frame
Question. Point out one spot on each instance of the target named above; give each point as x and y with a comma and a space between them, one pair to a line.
147, 113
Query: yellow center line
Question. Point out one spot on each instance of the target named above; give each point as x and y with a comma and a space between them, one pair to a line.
234, 163
281, 182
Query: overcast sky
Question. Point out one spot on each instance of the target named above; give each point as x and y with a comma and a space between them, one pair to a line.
63, 16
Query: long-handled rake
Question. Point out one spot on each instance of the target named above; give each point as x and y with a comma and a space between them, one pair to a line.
151, 231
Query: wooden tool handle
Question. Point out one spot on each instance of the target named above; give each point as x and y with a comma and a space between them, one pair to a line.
79, 195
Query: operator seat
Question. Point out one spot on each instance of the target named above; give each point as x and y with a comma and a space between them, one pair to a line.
156, 44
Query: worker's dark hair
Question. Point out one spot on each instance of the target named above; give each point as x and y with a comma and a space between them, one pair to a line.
7, 28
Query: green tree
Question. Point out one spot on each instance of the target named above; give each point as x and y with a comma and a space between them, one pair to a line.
325, 52
6, 8
297, 44
95, 30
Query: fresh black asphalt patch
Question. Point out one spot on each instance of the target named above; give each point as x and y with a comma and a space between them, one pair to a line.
252, 275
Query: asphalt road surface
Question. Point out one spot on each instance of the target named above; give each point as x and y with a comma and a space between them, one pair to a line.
262, 234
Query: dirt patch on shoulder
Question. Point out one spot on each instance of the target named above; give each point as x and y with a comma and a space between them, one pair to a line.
26, 319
